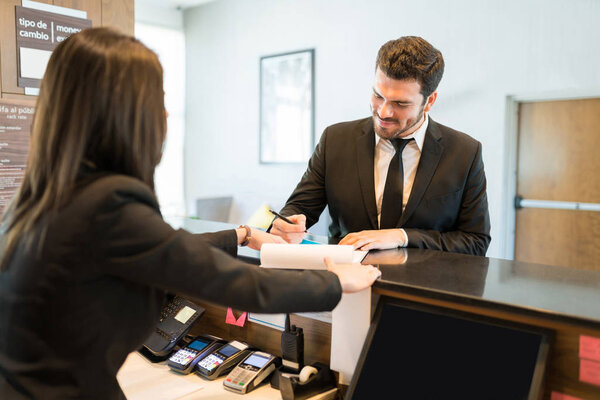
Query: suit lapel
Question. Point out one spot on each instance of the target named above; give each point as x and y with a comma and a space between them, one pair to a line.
430, 158
365, 156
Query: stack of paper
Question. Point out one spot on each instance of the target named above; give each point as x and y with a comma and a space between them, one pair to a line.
351, 317
307, 256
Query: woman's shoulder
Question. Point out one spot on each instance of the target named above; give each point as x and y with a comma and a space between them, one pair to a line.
113, 190
109, 182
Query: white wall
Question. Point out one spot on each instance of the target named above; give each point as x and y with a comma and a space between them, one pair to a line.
492, 49
158, 13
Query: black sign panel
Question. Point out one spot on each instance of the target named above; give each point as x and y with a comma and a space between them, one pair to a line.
38, 33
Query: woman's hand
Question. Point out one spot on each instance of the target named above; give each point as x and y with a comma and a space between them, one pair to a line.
353, 277
257, 238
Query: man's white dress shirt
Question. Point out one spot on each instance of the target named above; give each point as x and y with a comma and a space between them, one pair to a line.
384, 152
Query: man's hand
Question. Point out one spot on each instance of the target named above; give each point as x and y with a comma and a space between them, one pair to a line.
291, 233
379, 239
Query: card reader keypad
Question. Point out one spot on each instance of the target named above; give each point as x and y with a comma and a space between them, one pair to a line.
183, 356
212, 361
241, 376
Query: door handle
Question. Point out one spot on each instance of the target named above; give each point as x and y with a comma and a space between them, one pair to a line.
520, 202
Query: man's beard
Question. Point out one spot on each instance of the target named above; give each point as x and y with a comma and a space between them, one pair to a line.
393, 134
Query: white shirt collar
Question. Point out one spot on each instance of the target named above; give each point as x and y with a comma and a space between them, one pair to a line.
418, 135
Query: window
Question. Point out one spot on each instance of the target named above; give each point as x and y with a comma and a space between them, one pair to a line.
169, 45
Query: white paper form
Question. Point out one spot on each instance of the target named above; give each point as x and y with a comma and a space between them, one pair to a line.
306, 256
349, 328
302, 256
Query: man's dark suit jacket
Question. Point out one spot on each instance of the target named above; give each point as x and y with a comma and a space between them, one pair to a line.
71, 313
447, 208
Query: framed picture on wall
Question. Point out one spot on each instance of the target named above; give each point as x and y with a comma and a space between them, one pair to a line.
287, 107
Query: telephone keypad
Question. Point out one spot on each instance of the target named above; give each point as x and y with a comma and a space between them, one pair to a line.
170, 308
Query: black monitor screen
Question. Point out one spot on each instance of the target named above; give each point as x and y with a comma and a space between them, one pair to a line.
421, 352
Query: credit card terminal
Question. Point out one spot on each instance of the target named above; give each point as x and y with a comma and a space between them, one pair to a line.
222, 360
250, 372
185, 359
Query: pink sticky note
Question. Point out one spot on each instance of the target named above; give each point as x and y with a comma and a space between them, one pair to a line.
589, 371
589, 347
562, 396
230, 319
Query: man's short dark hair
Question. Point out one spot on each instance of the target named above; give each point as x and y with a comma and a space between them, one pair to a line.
412, 57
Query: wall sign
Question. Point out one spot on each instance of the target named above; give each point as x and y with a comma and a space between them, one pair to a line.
38, 33
287, 107
15, 124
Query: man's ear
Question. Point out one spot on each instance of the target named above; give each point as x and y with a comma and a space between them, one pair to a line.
430, 101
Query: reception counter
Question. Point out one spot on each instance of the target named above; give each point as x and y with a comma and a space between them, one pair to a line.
562, 301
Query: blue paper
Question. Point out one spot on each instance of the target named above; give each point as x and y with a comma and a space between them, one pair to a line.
305, 241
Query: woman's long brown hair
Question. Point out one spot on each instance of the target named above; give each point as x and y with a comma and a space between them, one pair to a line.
101, 104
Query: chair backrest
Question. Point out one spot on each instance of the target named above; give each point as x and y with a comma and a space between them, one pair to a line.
214, 208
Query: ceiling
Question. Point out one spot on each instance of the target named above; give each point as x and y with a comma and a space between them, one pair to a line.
179, 4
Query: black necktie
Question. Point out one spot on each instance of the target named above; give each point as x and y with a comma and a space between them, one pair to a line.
391, 205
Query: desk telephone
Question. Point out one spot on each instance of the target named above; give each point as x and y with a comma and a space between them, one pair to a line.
177, 318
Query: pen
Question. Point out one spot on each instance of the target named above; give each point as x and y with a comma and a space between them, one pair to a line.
275, 213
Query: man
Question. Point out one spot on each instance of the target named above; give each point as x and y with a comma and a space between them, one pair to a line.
398, 178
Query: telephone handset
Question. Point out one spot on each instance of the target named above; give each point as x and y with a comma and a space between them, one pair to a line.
177, 318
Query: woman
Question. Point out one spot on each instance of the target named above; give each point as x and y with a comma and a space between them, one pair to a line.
85, 255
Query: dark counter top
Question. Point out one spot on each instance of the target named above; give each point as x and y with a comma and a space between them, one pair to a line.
564, 294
